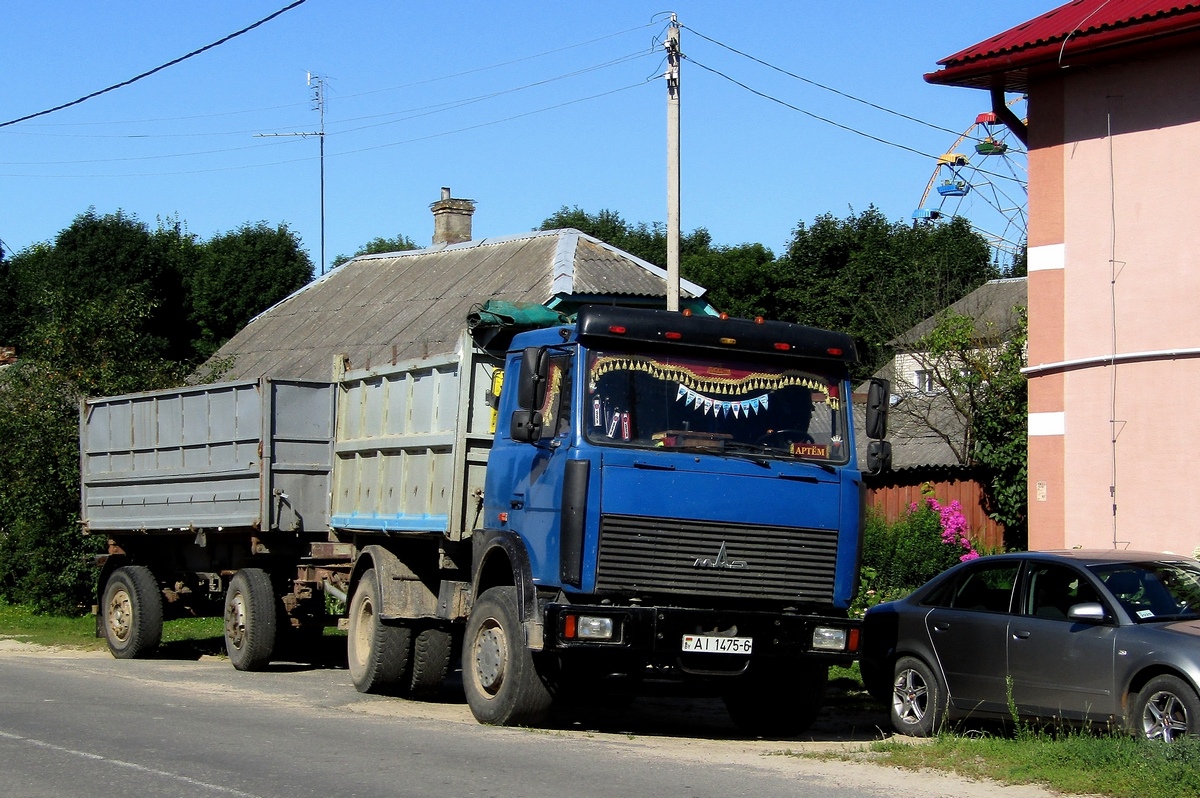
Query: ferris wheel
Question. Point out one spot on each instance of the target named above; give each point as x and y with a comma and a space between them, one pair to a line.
982, 178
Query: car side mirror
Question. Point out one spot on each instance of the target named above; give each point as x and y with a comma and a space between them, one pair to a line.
1090, 612
879, 457
879, 397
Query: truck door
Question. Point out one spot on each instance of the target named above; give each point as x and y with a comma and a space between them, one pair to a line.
537, 498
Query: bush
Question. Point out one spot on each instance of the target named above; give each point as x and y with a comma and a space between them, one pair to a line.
901, 556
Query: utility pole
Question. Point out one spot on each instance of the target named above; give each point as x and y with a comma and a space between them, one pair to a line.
672, 45
317, 84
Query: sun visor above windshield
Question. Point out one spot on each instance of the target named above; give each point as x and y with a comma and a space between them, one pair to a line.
598, 323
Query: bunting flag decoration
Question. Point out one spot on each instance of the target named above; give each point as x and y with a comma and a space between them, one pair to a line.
707, 404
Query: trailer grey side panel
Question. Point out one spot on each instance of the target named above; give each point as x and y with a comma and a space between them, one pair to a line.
241, 454
412, 444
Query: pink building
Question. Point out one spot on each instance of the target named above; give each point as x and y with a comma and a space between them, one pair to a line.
1114, 264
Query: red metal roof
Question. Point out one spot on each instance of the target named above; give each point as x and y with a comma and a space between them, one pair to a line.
1073, 31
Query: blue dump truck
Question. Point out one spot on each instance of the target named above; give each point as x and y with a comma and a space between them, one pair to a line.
635, 496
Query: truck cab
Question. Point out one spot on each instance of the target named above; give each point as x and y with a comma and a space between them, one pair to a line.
671, 496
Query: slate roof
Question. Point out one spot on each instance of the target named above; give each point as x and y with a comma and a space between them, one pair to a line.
1064, 35
400, 306
990, 305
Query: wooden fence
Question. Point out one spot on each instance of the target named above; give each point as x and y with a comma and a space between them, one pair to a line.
893, 493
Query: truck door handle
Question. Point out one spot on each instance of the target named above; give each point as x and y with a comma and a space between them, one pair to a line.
517, 502
941, 626
653, 466
1022, 635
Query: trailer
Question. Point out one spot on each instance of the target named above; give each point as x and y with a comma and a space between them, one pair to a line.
634, 495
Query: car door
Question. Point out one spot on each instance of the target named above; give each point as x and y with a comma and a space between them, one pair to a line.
968, 627
1060, 668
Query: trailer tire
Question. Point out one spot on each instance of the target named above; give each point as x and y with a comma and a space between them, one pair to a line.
430, 660
377, 652
777, 702
132, 612
501, 677
251, 620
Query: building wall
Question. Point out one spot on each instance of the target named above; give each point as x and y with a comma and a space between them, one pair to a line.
1114, 268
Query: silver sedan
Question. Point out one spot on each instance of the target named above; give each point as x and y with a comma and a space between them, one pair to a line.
1108, 638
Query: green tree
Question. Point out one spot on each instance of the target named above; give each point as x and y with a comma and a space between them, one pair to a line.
874, 278
978, 405
239, 274
645, 241
44, 557
379, 246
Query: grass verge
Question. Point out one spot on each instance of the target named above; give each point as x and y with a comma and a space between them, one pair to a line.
1078, 762
22, 624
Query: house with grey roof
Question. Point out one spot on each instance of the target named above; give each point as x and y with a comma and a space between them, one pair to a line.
386, 308
927, 427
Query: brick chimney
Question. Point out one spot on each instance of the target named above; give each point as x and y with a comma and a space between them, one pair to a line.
451, 219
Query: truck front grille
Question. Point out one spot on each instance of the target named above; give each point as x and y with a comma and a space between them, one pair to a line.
675, 557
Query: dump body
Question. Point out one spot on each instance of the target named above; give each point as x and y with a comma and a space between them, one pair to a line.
412, 445
255, 455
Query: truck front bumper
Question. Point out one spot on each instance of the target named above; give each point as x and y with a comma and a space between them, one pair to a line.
659, 632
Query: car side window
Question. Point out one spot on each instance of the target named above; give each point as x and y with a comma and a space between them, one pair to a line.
987, 588
1054, 589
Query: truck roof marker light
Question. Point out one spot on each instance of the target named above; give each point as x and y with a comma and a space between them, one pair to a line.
782, 347
616, 329
835, 351
673, 336
724, 316
687, 311
728, 341
759, 320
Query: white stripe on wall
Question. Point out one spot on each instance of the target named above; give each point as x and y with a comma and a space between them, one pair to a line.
1047, 423
1047, 257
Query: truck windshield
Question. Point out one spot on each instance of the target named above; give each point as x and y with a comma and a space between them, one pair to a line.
759, 408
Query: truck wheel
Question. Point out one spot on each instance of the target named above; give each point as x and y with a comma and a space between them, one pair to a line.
250, 619
377, 652
917, 699
430, 660
777, 702
1166, 709
133, 612
500, 675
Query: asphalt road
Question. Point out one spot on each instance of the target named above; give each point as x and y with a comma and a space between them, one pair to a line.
74, 724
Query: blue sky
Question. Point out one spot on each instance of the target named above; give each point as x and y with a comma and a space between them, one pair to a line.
523, 107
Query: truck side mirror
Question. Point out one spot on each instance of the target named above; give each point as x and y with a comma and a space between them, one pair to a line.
879, 457
531, 382
879, 396
526, 426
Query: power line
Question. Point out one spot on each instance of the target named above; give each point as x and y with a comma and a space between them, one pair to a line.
822, 86
147, 74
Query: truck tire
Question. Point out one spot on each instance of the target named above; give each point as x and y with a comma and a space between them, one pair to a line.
500, 675
377, 652
132, 612
251, 621
777, 701
430, 660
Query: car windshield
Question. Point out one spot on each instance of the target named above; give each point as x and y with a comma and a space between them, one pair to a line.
757, 409
1153, 591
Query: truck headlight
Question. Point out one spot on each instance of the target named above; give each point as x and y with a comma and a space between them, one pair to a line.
595, 628
829, 638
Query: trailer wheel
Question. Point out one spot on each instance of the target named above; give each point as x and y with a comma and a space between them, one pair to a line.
377, 652
132, 612
250, 620
777, 702
500, 675
430, 660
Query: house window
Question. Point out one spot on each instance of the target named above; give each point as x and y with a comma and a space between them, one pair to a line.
923, 379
